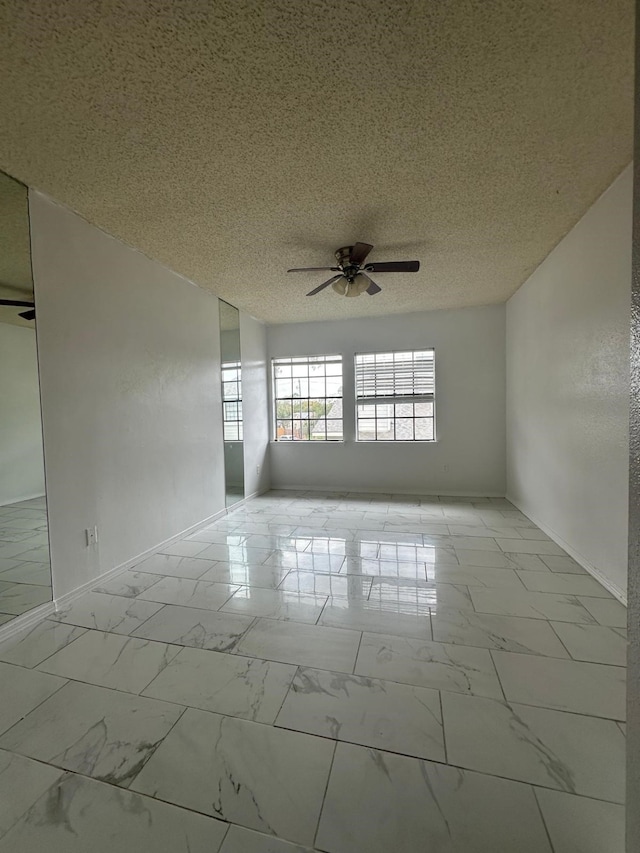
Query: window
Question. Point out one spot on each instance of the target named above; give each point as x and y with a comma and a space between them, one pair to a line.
307, 396
231, 401
395, 396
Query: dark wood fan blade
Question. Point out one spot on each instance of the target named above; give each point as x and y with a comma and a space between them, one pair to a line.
28, 315
315, 269
360, 252
17, 302
393, 266
373, 287
323, 285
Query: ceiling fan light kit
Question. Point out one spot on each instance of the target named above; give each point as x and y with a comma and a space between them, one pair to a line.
352, 277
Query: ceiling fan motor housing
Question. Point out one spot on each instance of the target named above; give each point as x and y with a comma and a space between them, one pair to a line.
343, 257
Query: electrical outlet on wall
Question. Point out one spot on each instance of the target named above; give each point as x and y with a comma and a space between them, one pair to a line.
257, 469
91, 534
445, 468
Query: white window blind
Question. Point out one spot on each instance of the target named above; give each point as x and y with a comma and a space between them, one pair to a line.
395, 376
395, 395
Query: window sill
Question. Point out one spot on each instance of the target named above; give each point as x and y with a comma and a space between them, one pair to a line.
308, 443
343, 442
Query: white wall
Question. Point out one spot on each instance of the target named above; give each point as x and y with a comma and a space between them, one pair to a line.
255, 404
568, 385
21, 463
129, 357
467, 458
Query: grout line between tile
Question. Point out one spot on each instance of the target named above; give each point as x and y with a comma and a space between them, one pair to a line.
544, 822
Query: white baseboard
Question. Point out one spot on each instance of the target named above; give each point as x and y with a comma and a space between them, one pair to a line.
25, 620
245, 499
67, 598
20, 500
305, 487
613, 588
63, 600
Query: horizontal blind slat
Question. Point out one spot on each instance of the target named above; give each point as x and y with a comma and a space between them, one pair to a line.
393, 375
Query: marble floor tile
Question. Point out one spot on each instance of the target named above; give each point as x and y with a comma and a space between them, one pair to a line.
312, 571
33, 645
313, 583
426, 594
327, 545
190, 626
241, 840
402, 619
475, 576
235, 553
382, 714
530, 533
128, 584
8, 535
94, 731
214, 536
370, 566
306, 562
399, 553
38, 574
275, 604
22, 691
580, 825
570, 584
178, 567
10, 549
479, 531
303, 645
78, 814
246, 574
111, 660
509, 633
531, 546
20, 597
567, 685
475, 543
532, 605
552, 749
529, 562
185, 548
275, 542
227, 684
34, 555
107, 612
594, 643
566, 565
428, 664
491, 559
378, 802
189, 593
258, 776
606, 611
22, 782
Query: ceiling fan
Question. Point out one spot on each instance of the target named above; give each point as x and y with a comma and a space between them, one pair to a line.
353, 277
18, 303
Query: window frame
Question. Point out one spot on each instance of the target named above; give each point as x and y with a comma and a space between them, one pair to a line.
308, 359
238, 422
395, 400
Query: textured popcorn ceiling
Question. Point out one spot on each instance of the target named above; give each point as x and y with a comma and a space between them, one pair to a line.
236, 138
